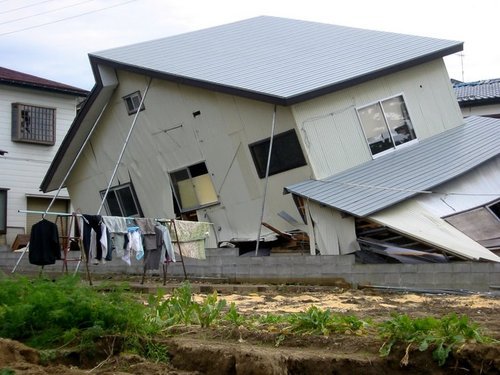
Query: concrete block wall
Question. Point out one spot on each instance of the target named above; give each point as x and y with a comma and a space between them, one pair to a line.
226, 265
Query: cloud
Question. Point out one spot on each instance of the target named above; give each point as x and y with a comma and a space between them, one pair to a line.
59, 49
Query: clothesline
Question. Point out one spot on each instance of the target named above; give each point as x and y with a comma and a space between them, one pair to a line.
160, 220
181, 239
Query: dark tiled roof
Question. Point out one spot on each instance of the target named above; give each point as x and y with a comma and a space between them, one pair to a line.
12, 77
479, 91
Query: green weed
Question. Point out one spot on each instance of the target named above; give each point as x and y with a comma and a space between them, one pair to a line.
45, 313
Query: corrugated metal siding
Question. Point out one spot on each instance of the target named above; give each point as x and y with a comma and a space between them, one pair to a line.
276, 56
397, 176
152, 154
334, 235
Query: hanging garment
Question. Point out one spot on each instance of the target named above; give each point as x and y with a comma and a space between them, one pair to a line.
44, 246
92, 245
135, 243
191, 236
153, 256
167, 250
117, 229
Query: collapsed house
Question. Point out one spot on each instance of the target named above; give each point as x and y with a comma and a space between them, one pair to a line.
362, 128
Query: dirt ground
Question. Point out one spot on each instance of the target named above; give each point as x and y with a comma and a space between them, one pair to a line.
193, 350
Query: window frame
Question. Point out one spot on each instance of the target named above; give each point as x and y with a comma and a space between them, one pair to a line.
261, 169
42, 120
176, 191
129, 98
491, 211
3, 212
380, 104
121, 207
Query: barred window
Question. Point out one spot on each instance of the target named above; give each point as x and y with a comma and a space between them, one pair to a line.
33, 124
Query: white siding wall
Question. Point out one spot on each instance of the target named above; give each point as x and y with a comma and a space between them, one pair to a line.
484, 110
330, 128
219, 136
24, 166
333, 233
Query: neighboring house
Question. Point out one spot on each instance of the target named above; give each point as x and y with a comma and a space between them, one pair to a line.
35, 114
339, 99
480, 98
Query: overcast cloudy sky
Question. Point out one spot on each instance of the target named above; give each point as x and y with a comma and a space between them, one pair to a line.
52, 38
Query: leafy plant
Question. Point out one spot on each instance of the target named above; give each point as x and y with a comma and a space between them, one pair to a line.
442, 336
234, 316
209, 310
179, 308
317, 321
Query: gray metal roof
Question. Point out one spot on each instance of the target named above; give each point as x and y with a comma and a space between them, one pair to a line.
479, 91
392, 178
277, 58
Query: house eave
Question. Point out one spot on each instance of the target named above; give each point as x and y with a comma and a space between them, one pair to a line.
45, 88
266, 97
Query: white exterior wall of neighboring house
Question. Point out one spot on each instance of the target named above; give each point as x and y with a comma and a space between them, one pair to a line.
219, 136
331, 130
24, 166
491, 110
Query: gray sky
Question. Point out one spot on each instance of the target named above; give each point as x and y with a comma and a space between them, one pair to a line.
52, 38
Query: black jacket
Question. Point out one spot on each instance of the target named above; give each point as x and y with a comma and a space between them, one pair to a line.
44, 247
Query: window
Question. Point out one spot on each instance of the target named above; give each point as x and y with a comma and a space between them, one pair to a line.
33, 124
122, 201
285, 155
193, 187
133, 101
386, 124
3, 211
495, 209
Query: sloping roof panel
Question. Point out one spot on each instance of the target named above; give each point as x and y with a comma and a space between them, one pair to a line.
12, 77
392, 178
278, 57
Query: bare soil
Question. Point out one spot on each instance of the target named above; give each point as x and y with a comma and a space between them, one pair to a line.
226, 350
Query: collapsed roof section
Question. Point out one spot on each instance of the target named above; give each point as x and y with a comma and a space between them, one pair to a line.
383, 189
380, 183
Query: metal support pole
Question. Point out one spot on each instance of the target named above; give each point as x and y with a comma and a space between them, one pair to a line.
124, 147
74, 161
266, 182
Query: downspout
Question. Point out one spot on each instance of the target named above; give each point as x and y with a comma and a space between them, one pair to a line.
266, 182
124, 147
